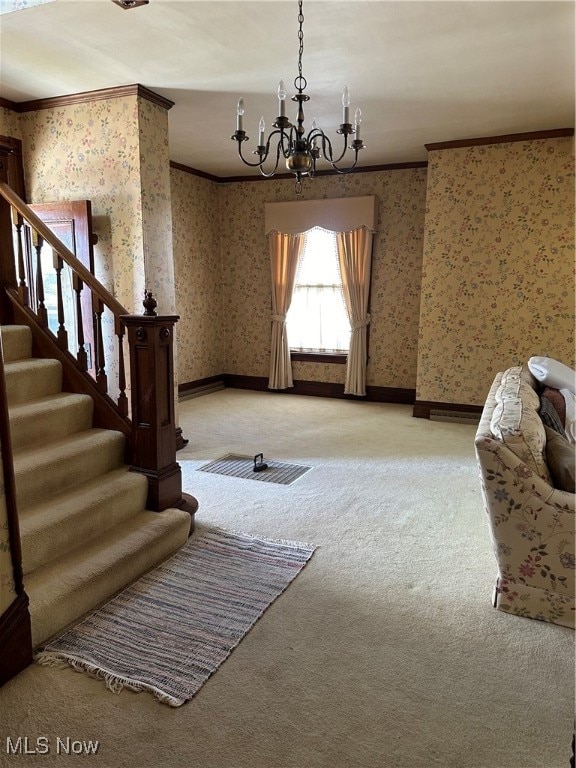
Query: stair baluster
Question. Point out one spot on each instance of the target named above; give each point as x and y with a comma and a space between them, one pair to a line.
122, 398
151, 428
62, 334
18, 222
41, 312
81, 355
101, 377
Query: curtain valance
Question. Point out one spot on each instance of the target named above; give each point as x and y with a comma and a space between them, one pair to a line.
342, 214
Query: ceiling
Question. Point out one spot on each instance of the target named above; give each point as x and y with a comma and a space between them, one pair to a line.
422, 72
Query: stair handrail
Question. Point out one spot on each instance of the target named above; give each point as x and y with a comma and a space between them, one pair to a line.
37, 224
151, 431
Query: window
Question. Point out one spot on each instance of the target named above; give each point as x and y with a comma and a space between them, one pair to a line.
317, 321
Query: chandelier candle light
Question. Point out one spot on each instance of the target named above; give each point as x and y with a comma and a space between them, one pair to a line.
300, 151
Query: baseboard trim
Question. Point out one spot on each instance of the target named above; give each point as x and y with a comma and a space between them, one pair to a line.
15, 639
422, 408
200, 387
322, 389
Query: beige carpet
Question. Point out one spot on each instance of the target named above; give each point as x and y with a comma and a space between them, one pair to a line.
384, 653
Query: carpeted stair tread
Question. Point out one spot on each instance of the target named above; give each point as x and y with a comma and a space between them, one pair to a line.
57, 525
42, 471
49, 418
16, 342
32, 379
72, 585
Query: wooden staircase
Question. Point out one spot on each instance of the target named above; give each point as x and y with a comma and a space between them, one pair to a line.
85, 531
93, 491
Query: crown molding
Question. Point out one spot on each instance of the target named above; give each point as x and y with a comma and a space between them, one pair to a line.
194, 171
362, 169
8, 104
510, 137
230, 179
88, 96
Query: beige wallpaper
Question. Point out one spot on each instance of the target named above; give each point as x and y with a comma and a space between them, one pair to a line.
395, 273
91, 151
498, 268
9, 123
495, 225
198, 276
156, 204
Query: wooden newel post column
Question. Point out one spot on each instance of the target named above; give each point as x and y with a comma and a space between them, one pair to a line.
150, 339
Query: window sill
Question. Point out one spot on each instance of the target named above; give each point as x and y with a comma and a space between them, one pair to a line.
318, 357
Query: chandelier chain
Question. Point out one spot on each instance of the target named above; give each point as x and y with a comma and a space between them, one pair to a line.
300, 81
300, 151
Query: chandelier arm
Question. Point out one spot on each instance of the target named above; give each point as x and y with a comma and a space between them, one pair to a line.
288, 137
264, 154
349, 168
301, 151
268, 174
329, 155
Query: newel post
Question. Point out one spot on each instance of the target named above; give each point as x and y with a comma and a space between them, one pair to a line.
150, 338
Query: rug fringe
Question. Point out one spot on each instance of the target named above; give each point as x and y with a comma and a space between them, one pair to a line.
114, 683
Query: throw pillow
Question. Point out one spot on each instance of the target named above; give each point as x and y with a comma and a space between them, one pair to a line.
515, 421
557, 399
561, 458
553, 373
549, 416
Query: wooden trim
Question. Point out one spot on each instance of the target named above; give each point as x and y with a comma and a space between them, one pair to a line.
12, 142
87, 96
531, 136
363, 169
15, 639
8, 104
194, 171
181, 441
322, 389
192, 386
318, 357
400, 395
235, 381
15, 165
36, 223
422, 408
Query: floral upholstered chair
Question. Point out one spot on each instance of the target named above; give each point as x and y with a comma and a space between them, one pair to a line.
531, 522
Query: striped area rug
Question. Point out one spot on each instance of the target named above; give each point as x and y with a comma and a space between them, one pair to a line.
242, 466
174, 627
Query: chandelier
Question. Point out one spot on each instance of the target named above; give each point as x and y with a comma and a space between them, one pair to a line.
300, 151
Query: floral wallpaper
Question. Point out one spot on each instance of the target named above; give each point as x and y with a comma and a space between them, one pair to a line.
198, 276
396, 270
498, 267
156, 204
7, 588
91, 151
9, 123
472, 262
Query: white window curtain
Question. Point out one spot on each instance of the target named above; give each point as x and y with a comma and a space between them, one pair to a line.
284, 223
285, 251
355, 258
317, 319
